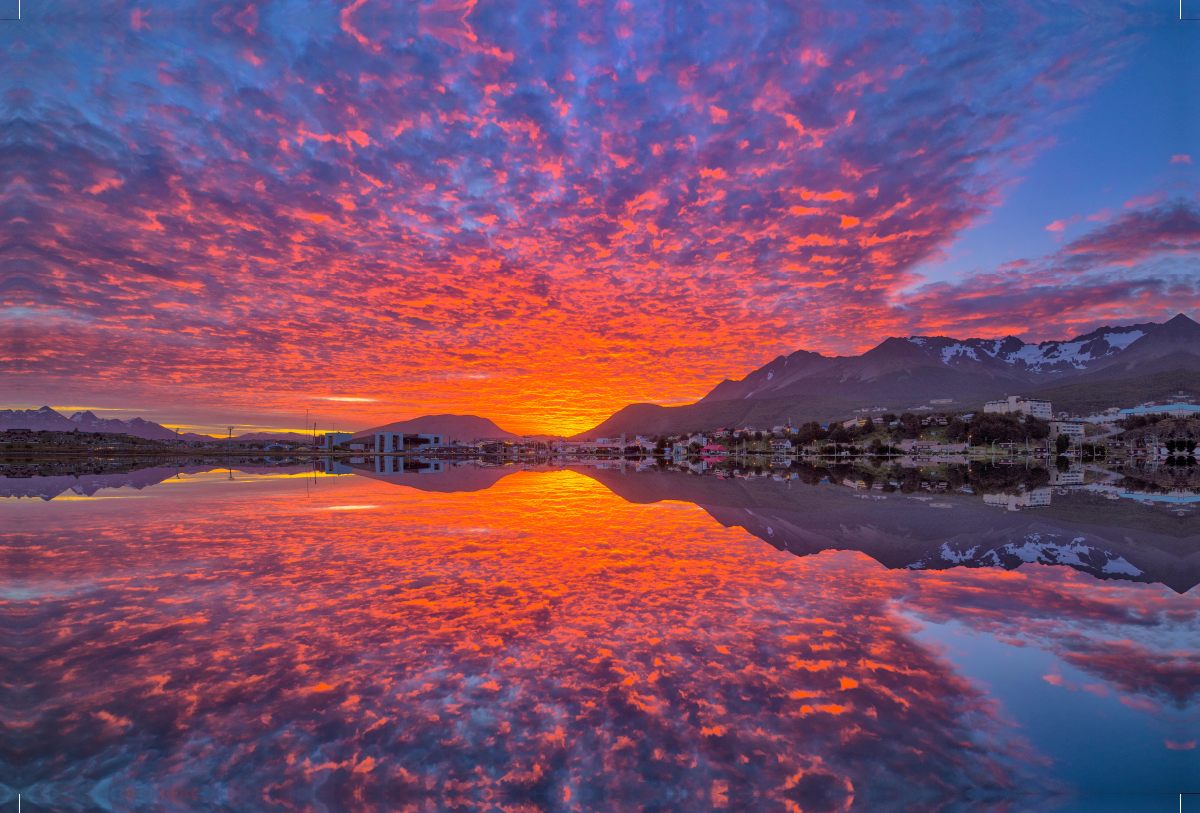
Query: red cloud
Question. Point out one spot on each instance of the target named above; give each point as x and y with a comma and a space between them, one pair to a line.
437, 162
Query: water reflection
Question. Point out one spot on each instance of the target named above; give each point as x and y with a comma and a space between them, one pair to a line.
482, 638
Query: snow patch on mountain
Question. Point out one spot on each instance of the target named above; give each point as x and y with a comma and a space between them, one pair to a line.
957, 349
1033, 548
1053, 356
1123, 340
1122, 567
951, 555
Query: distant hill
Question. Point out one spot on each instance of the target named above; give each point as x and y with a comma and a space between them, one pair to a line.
290, 437
902, 373
455, 427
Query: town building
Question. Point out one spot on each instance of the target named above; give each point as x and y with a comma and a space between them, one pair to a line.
1033, 498
1071, 477
1015, 403
1072, 429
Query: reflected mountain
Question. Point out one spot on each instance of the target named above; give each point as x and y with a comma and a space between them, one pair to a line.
923, 532
1097, 534
1108, 539
557, 640
48, 487
426, 474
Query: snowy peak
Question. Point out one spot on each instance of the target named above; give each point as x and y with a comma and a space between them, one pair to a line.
964, 367
1052, 356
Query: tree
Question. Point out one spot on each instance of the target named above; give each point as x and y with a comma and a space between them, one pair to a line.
868, 427
811, 431
910, 425
839, 434
1061, 444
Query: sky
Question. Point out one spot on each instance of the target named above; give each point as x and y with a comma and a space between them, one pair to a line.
229, 213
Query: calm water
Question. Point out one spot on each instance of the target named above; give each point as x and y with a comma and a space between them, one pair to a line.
484, 639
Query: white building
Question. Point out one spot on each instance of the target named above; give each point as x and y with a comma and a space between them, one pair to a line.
1072, 429
1015, 403
1034, 498
400, 441
1071, 477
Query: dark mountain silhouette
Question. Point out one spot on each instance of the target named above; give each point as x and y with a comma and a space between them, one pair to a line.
455, 427
902, 373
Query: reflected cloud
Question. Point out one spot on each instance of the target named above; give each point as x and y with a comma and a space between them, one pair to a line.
573, 649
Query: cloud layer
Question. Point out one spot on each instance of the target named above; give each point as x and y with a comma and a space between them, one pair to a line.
534, 211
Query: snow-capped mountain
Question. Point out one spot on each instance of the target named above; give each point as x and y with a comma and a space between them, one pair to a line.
960, 369
1042, 548
48, 419
1047, 357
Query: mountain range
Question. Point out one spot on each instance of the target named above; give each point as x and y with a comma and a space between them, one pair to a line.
454, 427
47, 419
1149, 360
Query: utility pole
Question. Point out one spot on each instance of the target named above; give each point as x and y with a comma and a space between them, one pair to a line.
229, 445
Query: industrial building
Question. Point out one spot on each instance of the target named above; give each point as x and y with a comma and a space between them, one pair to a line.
401, 441
407, 465
332, 439
1179, 409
